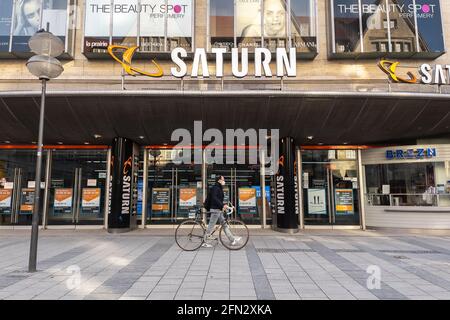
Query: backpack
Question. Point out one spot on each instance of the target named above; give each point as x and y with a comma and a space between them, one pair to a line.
207, 203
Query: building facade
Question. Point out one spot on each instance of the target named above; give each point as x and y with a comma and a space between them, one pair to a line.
359, 89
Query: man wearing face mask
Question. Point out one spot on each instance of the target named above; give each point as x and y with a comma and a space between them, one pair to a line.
217, 208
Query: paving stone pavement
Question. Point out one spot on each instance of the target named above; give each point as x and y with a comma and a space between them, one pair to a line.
144, 264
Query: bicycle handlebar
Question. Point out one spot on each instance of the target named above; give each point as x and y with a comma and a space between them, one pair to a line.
230, 209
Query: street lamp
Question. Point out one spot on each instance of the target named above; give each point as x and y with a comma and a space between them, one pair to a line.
45, 66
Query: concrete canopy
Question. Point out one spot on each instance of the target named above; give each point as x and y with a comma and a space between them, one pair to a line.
149, 117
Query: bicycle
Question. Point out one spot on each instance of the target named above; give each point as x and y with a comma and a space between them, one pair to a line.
190, 234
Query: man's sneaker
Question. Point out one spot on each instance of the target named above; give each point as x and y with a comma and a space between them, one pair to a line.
236, 241
206, 245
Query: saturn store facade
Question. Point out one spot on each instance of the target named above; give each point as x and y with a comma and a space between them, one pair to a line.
353, 94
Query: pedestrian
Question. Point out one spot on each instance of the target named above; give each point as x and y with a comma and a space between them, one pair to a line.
217, 208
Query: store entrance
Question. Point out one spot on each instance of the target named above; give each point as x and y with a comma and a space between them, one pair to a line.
17, 174
330, 187
77, 188
242, 189
175, 190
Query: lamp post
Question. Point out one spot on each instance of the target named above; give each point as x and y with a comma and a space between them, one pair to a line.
45, 66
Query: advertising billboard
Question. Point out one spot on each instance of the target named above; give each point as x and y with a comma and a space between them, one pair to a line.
403, 27
268, 23
6, 8
21, 19
155, 22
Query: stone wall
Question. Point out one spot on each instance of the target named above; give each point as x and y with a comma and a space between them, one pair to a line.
318, 74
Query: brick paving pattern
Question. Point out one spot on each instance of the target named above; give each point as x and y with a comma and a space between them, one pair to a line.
144, 265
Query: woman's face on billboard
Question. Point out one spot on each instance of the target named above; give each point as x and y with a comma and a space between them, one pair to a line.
274, 18
31, 12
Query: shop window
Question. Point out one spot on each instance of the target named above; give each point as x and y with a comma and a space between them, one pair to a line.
429, 24
97, 26
346, 26
152, 25
21, 19
6, 8
303, 26
221, 23
263, 23
124, 24
409, 184
248, 22
356, 24
179, 24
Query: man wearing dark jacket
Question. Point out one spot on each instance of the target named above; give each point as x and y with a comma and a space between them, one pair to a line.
217, 209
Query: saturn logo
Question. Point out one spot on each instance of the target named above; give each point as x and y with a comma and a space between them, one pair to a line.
390, 68
127, 165
127, 56
281, 161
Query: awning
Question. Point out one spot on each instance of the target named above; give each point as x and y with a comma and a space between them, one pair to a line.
330, 117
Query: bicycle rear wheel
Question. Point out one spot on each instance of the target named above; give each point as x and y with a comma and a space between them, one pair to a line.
189, 235
237, 229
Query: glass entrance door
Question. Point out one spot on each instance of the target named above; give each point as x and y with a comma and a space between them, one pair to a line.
174, 189
242, 188
330, 187
77, 188
17, 174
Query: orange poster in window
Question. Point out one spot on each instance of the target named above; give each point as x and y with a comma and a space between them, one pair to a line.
188, 197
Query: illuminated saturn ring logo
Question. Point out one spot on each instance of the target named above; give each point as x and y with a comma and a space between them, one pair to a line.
126, 63
127, 165
390, 68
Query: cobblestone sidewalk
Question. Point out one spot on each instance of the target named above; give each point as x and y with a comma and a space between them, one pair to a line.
311, 265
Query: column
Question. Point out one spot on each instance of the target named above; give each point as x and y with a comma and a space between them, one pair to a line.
286, 204
122, 200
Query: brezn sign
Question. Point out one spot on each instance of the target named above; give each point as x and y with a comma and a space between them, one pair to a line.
417, 153
286, 62
425, 74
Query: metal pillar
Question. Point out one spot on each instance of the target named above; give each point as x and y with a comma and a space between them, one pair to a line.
263, 188
48, 175
361, 184
300, 189
37, 186
144, 189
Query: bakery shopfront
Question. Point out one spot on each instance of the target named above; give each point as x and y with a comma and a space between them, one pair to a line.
407, 186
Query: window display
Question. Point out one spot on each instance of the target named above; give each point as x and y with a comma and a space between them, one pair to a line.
263, 23
124, 23
303, 25
97, 26
6, 7
153, 25
221, 24
346, 31
429, 25
21, 19
402, 28
410, 184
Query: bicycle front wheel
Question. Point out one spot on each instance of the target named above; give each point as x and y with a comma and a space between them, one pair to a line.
189, 235
238, 230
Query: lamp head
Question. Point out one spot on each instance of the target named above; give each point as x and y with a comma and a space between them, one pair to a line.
46, 43
44, 67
